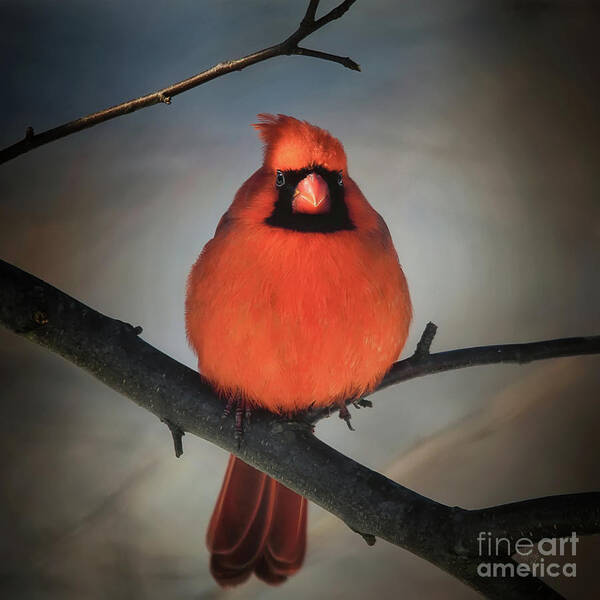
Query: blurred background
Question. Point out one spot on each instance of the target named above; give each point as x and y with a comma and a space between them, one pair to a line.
474, 129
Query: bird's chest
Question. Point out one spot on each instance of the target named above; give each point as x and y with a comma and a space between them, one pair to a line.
307, 280
291, 320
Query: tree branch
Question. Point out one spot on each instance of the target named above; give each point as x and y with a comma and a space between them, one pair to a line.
423, 363
287, 450
288, 47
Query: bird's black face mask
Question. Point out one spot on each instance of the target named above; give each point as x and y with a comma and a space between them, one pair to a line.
310, 200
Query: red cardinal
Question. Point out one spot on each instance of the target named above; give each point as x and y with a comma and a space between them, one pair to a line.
298, 301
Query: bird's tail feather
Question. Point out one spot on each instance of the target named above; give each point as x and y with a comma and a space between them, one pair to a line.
258, 525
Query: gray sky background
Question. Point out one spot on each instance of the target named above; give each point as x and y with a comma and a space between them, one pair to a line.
473, 129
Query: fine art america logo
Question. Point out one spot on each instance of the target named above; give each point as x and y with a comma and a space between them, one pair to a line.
549, 557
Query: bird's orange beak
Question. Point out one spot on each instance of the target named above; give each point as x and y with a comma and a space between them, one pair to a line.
311, 196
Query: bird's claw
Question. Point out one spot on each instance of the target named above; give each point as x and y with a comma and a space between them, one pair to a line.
362, 403
228, 407
345, 415
242, 416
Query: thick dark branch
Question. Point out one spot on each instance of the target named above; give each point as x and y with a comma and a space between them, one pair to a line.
288, 47
569, 513
368, 502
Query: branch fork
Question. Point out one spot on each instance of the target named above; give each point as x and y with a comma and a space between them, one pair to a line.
289, 46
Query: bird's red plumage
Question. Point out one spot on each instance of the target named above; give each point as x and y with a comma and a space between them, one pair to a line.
289, 319
286, 320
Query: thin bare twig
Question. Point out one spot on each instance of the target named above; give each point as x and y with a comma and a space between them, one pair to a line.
423, 363
288, 47
368, 502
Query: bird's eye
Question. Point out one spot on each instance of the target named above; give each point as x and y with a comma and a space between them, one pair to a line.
280, 179
340, 178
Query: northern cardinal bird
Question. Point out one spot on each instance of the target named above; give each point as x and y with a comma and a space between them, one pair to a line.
298, 301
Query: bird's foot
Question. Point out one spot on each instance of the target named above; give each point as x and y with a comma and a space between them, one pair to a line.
362, 402
345, 415
242, 414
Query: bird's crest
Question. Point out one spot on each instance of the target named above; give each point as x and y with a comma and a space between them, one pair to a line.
294, 144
